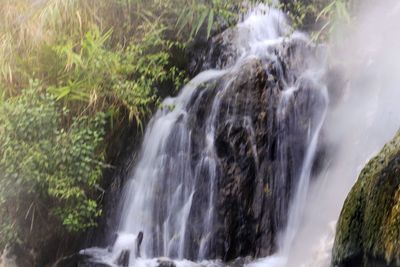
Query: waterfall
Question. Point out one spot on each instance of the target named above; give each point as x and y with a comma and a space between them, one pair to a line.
299, 200
225, 166
160, 193
365, 117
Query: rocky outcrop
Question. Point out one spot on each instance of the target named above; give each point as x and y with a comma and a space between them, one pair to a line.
216, 53
259, 169
165, 262
368, 230
260, 149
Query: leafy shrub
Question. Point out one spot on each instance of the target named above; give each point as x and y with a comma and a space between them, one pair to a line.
88, 58
208, 13
46, 166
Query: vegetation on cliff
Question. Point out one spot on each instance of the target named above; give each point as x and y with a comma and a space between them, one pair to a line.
368, 229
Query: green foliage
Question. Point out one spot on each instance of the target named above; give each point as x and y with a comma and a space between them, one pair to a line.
334, 15
87, 58
8, 233
91, 73
302, 14
42, 161
139, 71
321, 18
198, 13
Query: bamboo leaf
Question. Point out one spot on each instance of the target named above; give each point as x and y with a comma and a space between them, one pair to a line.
326, 10
188, 18
61, 92
201, 21
210, 23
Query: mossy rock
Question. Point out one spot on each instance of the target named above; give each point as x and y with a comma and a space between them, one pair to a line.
368, 230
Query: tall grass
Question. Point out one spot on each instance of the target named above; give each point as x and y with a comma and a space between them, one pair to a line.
27, 27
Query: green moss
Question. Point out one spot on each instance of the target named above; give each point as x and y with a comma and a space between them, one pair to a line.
369, 224
348, 240
392, 232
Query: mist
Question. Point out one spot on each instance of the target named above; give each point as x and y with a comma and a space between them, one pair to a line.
364, 118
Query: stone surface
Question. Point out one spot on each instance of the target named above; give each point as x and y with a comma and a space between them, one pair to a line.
123, 258
368, 230
253, 188
165, 262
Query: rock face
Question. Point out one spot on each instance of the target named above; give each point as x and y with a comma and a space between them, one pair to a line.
368, 230
218, 53
165, 263
254, 188
260, 144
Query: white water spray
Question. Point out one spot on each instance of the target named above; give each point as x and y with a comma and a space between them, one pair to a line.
366, 117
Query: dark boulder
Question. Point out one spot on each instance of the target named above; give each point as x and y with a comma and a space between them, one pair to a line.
123, 258
165, 263
260, 151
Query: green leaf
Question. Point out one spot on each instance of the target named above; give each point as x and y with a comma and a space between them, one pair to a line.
201, 21
210, 23
61, 92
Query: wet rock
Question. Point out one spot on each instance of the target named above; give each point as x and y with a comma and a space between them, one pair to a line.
83, 260
255, 188
368, 230
123, 258
240, 262
217, 53
256, 177
139, 243
165, 262
92, 264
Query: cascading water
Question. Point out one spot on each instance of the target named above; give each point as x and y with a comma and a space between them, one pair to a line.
366, 116
161, 191
226, 164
